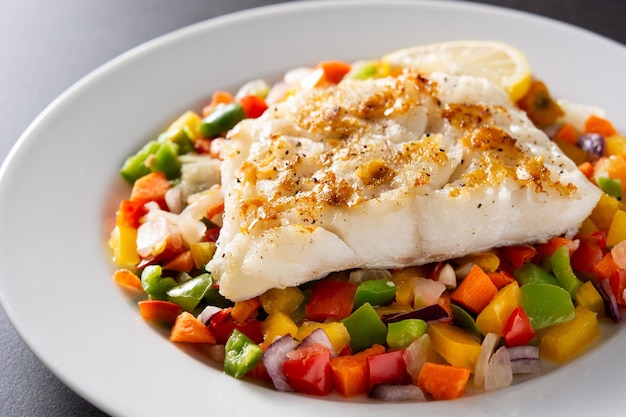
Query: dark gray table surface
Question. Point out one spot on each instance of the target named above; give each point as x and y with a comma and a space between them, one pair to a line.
46, 46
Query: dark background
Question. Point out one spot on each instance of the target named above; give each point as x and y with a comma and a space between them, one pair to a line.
47, 45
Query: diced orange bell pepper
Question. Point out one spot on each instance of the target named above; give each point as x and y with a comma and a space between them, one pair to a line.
475, 291
127, 279
443, 382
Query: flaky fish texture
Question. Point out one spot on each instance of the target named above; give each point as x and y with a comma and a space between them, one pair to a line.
387, 173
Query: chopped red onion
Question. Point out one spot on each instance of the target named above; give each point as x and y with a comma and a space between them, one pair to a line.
592, 143
431, 314
208, 312
610, 302
524, 359
526, 366
319, 337
523, 352
397, 393
273, 359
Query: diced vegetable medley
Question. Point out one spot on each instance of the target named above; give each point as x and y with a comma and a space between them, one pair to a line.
419, 333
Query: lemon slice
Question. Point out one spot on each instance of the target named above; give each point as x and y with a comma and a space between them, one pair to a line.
499, 62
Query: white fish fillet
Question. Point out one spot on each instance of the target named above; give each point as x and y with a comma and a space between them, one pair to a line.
387, 173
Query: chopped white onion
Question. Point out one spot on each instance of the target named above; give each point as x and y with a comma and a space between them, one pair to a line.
174, 199
447, 276
257, 87
498, 373
489, 344
427, 291
361, 275
416, 355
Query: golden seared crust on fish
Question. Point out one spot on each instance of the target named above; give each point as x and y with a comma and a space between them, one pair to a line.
386, 173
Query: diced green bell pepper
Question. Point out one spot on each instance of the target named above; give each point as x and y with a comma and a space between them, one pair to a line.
189, 294
365, 328
611, 186
135, 166
156, 155
546, 304
464, 320
242, 354
366, 71
377, 292
402, 333
154, 284
222, 119
530, 273
166, 160
563, 271
180, 137
214, 298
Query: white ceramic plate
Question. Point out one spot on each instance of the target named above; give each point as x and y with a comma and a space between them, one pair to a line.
59, 189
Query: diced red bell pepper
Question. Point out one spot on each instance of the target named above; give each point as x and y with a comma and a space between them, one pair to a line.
588, 254
254, 106
222, 325
308, 371
212, 234
606, 267
129, 213
618, 285
387, 368
159, 311
545, 250
518, 255
601, 238
517, 330
330, 300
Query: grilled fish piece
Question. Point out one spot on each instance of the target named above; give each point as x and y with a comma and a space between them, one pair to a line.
387, 173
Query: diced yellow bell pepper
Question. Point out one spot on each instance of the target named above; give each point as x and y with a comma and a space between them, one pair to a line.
123, 241
563, 341
405, 282
617, 230
587, 296
404, 292
282, 300
488, 261
493, 317
336, 332
616, 145
188, 122
587, 228
278, 324
603, 213
202, 252
393, 308
456, 346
